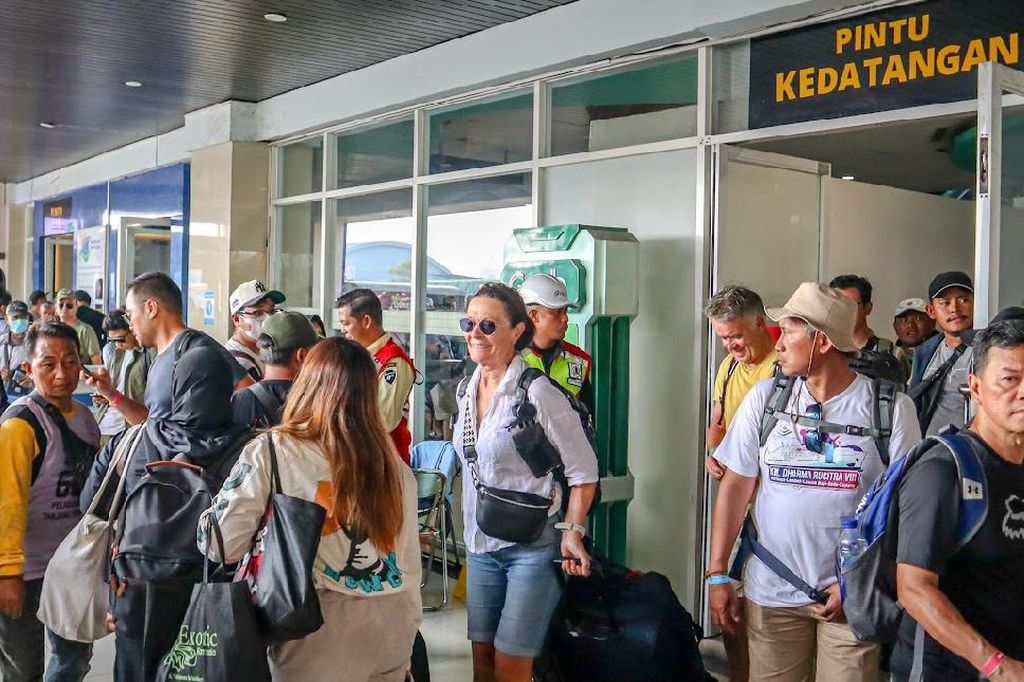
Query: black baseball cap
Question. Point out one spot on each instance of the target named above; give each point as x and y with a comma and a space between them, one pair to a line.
945, 280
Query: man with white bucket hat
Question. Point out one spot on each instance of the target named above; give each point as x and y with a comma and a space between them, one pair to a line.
805, 447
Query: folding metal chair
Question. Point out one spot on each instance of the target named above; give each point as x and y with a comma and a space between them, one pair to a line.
432, 512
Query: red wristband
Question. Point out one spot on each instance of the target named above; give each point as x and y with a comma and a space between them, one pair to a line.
992, 664
117, 399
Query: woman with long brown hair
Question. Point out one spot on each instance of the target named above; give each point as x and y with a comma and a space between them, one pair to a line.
332, 448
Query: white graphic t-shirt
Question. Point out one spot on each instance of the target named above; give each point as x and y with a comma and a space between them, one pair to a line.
804, 495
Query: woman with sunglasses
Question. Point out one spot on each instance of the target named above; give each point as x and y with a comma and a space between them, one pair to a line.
127, 363
513, 587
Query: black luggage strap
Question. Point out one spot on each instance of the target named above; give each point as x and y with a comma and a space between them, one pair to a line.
750, 545
919, 392
266, 401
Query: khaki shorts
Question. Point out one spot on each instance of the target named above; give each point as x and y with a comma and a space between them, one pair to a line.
790, 645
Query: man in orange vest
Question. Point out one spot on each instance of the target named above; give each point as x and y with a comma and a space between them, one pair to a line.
362, 320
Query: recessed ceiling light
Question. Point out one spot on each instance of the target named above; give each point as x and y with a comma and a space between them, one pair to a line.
47, 125
848, 177
132, 84
275, 17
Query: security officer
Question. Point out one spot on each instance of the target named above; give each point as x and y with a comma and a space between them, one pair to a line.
547, 303
362, 318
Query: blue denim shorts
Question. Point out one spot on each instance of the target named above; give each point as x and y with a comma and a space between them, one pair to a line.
512, 593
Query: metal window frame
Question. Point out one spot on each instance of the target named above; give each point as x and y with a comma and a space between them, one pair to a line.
705, 141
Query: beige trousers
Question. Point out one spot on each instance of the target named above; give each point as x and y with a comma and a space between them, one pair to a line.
789, 645
363, 639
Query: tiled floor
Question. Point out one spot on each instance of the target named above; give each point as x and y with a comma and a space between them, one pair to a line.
444, 632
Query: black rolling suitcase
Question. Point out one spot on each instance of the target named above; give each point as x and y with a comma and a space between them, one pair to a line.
621, 626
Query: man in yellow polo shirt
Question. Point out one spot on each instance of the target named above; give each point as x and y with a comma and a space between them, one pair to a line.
738, 318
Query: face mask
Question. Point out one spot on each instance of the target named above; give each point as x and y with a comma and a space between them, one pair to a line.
19, 326
255, 326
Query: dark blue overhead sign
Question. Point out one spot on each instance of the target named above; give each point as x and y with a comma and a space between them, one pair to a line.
902, 57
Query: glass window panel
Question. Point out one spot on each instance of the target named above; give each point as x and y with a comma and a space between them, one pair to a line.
731, 87
374, 235
298, 264
488, 133
605, 111
376, 155
468, 225
301, 167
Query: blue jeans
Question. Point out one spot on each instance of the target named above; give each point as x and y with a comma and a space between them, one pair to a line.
511, 595
22, 652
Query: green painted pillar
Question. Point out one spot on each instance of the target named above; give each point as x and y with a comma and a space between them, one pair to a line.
600, 267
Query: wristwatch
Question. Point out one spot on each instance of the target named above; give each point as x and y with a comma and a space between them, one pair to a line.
566, 526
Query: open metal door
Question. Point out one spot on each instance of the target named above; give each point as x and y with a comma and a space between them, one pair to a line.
767, 235
999, 217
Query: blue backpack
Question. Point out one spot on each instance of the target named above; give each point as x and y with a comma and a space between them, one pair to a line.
868, 584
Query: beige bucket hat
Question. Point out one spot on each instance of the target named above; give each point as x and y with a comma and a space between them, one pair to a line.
825, 309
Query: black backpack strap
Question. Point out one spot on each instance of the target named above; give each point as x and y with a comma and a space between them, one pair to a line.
921, 391
782, 389
751, 545
522, 408
267, 403
78, 454
885, 406
25, 413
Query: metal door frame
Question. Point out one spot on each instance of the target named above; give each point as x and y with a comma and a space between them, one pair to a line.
993, 81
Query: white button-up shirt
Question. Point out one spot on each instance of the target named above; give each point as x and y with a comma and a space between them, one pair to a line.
499, 463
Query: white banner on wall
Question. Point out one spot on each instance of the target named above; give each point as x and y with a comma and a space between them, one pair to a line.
90, 257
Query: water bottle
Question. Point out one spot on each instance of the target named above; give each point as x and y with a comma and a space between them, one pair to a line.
851, 543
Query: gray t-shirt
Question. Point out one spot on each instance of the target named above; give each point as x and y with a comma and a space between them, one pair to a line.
950, 407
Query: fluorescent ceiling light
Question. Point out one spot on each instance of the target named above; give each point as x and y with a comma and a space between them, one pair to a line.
133, 84
275, 17
47, 125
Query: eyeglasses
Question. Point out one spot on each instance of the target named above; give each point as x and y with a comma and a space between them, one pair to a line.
118, 341
812, 437
67, 306
488, 327
256, 313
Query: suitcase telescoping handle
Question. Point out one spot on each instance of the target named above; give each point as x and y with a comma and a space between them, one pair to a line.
586, 627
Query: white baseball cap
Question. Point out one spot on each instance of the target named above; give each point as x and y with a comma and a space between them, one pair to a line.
251, 292
546, 290
909, 304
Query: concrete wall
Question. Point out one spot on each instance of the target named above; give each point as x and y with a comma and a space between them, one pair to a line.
228, 228
654, 197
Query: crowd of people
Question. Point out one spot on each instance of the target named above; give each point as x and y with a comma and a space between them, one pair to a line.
280, 409
810, 407
808, 414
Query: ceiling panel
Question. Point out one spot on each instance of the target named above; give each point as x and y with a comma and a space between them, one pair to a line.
66, 61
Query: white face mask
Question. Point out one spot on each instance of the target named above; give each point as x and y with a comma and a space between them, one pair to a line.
255, 323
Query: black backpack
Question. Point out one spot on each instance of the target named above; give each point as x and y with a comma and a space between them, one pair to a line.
878, 364
620, 625
156, 531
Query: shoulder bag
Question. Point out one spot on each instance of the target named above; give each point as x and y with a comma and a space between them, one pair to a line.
507, 515
75, 599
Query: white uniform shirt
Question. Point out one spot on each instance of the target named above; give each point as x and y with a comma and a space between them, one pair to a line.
248, 359
343, 563
803, 496
498, 461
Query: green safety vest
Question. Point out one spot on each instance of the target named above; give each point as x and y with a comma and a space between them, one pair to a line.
570, 368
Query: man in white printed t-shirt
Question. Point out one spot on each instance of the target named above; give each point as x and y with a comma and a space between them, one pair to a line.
809, 474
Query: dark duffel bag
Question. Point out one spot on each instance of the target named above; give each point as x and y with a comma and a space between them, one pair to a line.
621, 626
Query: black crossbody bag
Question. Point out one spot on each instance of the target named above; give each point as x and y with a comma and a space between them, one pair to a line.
508, 515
